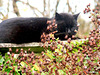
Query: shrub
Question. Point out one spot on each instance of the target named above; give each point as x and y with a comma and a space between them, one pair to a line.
71, 57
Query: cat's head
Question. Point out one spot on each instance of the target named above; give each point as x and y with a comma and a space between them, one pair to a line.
66, 23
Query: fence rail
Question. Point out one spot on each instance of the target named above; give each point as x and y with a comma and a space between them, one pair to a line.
33, 44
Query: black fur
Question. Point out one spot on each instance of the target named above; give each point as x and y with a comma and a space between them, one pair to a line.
67, 24
25, 30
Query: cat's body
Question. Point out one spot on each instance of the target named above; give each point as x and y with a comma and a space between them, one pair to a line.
25, 30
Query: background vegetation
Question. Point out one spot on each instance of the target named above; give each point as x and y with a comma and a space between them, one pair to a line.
59, 58
47, 8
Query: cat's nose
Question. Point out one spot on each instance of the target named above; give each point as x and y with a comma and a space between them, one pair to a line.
69, 31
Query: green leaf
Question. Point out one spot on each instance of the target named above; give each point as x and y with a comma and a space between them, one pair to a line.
8, 70
75, 74
95, 61
94, 50
59, 46
23, 64
87, 57
1, 59
35, 67
23, 74
6, 56
43, 73
78, 42
49, 54
78, 59
51, 40
98, 45
16, 70
75, 50
59, 59
80, 48
57, 39
61, 72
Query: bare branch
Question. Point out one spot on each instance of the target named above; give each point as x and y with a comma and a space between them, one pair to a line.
57, 5
97, 4
69, 7
36, 14
5, 17
32, 7
44, 2
48, 8
2, 14
1, 3
16, 10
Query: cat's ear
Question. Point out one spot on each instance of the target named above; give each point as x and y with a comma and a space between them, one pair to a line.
57, 16
76, 16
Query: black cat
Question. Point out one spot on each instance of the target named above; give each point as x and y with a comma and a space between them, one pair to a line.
25, 30
67, 24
